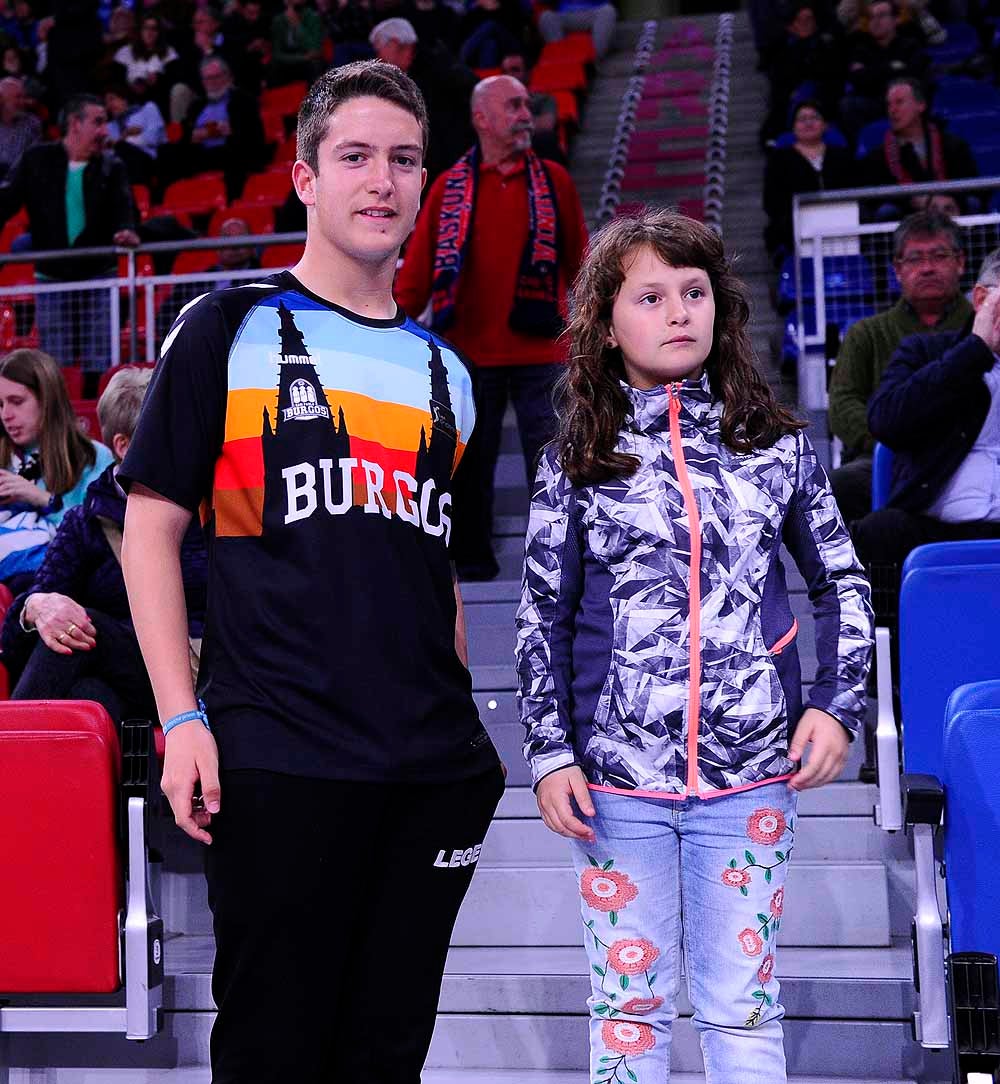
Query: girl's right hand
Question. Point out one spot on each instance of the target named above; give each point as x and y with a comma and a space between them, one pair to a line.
556, 794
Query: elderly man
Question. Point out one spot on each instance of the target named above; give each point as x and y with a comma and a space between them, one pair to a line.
938, 409
223, 128
77, 196
444, 82
928, 260
914, 149
498, 242
19, 129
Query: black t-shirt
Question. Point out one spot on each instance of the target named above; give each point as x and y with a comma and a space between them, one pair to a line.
320, 447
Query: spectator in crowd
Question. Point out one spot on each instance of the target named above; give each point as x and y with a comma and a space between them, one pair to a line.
47, 462
12, 62
874, 59
489, 31
21, 26
806, 61
928, 260
136, 130
19, 129
810, 164
938, 409
121, 29
350, 25
914, 149
74, 47
146, 58
203, 42
444, 82
498, 290
77, 195
544, 110
70, 636
246, 32
597, 16
297, 35
223, 129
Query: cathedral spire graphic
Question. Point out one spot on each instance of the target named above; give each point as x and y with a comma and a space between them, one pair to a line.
303, 427
436, 455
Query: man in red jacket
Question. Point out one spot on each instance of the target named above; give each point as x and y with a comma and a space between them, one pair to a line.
496, 246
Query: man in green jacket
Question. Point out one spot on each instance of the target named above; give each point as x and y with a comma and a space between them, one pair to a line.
929, 261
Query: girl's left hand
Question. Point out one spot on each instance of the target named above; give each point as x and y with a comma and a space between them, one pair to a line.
829, 743
15, 489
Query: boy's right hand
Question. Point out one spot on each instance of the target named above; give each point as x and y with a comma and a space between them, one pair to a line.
556, 794
192, 755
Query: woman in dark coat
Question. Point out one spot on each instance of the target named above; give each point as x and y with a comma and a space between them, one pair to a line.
809, 164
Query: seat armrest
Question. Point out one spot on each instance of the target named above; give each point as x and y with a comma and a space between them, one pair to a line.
923, 799
889, 811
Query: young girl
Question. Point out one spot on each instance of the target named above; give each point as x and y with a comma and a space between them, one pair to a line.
658, 671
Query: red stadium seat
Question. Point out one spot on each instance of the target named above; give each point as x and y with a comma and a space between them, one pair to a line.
6, 599
73, 379
270, 189
143, 202
13, 228
198, 259
61, 788
274, 126
487, 73
578, 46
567, 107
558, 75
195, 195
258, 216
17, 274
109, 373
284, 100
86, 417
281, 256
286, 152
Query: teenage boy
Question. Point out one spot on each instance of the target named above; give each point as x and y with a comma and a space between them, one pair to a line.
336, 753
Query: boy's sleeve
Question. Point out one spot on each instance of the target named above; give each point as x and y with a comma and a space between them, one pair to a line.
838, 591
551, 590
181, 428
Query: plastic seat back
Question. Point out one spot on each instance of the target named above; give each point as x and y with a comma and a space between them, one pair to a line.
978, 551
59, 848
871, 136
881, 476
970, 767
949, 628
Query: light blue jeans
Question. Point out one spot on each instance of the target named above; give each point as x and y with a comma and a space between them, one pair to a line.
708, 874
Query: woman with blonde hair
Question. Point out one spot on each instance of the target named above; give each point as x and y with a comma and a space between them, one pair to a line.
46, 462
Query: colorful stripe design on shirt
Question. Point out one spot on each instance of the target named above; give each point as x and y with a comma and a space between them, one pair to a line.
325, 414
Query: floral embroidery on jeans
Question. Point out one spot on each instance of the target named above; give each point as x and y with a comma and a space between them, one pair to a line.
604, 889
764, 975
766, 826
626, 1039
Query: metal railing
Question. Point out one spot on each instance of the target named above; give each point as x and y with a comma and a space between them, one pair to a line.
84, 319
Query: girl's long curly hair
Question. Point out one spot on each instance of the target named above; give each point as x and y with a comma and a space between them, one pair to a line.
594, 407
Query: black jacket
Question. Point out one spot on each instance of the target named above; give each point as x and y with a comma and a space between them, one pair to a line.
245, 145
929, 409
788, 173
959, 163
37, 182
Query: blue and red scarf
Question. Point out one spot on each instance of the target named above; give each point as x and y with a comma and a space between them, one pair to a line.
536, 297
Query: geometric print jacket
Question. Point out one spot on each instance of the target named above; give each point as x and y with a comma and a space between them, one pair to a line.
656, 647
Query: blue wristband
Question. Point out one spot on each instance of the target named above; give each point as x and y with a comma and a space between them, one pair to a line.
187, 717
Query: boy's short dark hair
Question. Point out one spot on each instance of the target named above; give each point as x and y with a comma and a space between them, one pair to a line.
362, 79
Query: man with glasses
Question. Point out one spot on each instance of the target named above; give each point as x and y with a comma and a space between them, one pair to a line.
928, 261
938, 408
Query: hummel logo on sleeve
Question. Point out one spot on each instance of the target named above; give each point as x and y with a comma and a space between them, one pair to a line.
468, 857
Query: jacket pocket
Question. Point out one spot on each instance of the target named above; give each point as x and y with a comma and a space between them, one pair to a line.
782, 642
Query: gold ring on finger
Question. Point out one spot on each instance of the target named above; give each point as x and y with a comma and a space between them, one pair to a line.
70, 628
61, 637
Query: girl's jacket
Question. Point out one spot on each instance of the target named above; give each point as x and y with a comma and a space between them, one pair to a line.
656, 648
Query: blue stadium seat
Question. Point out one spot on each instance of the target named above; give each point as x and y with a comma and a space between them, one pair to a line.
842, 312
881, 476
976, 130
843, 277
963, 794
871, 136
988, 159
832, 137
978, 551
962, 43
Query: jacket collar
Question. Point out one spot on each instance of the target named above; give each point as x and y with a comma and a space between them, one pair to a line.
651, 409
